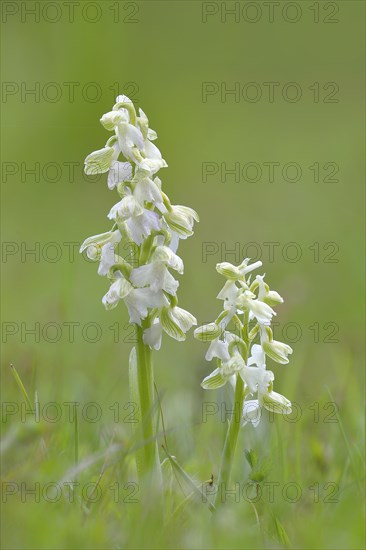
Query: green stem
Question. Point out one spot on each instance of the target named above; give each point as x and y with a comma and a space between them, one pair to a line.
150, 463
232, 433
145, 377
230, 442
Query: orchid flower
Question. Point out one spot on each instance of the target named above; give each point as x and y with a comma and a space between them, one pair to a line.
248, 308
145, 220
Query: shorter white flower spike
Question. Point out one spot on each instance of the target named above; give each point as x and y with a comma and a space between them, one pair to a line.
237, 354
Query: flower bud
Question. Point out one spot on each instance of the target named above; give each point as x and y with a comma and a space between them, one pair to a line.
277, 351
207, 333
181, 219
245, 268
275, 402
93, 245
214, 380
112, 119
273, 298
99, 161
176, 322
229, 271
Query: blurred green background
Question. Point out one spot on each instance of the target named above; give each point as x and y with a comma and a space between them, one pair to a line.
163, 54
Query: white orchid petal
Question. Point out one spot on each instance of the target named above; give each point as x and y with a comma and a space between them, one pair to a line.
218, 349
141, 226
252, 412
119, 172
214, 380
99, 161
152, 336
277, 403
107, 259
258, 356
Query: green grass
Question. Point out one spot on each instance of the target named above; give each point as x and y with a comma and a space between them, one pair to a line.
305, 492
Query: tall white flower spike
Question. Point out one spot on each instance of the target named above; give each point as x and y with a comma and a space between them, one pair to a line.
144, 218
146, 223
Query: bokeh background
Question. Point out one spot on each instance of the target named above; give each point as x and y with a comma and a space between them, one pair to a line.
166, 55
